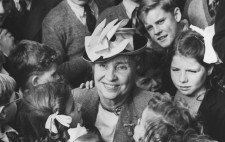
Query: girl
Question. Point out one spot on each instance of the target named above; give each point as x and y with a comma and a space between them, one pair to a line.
197, 82
8, 108
47, 113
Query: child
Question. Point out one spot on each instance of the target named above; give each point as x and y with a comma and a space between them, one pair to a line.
162, 106
150, 75
8, 108
161, 130
199, 81
46, 113
33, 63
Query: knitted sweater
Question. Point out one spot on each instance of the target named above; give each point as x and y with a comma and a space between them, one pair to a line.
63, 32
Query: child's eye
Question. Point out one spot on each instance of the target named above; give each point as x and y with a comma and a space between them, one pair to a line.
174, 69
192, 71
145, 81
149, 28
161, 22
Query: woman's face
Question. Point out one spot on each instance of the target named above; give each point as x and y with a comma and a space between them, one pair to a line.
139, 130
114, 78
187, 74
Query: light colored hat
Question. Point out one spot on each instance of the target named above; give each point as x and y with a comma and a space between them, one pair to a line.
111, 40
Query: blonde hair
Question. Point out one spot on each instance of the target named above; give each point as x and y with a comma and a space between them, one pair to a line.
7, 87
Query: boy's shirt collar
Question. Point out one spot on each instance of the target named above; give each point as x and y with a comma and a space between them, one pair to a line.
129, 7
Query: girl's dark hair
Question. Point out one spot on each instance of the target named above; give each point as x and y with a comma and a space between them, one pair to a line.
40, 102
190, 44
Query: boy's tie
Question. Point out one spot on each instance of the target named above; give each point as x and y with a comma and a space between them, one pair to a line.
90, 19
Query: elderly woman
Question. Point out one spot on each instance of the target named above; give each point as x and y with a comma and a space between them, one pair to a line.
115, 103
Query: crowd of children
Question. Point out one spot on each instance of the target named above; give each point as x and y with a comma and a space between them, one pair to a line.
112, 71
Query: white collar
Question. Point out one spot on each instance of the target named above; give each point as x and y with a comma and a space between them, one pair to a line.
129, 6
77, 9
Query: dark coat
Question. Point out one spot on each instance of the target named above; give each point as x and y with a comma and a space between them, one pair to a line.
27, 24
130, 112
219, 38
212, 114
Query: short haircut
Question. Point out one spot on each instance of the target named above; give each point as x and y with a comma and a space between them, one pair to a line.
147, 5
7, 87
30, 58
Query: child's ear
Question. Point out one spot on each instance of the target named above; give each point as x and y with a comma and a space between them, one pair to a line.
34, 80
210, 70
177, 14
2, 113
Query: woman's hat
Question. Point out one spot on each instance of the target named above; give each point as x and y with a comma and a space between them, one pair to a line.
116, 38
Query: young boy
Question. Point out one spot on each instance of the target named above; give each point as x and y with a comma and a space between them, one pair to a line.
32, 64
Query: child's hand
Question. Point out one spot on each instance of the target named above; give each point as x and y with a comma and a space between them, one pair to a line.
87, 85
6, 41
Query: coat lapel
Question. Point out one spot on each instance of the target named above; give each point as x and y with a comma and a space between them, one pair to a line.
90, 108
127, 120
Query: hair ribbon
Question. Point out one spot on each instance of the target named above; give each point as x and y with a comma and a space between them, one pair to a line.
62, 119
210, 55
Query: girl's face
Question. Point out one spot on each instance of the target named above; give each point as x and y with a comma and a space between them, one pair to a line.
187, 74
9, 110
139, 130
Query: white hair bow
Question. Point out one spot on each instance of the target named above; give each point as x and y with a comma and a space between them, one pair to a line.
62, 119
210, 55
99, 44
